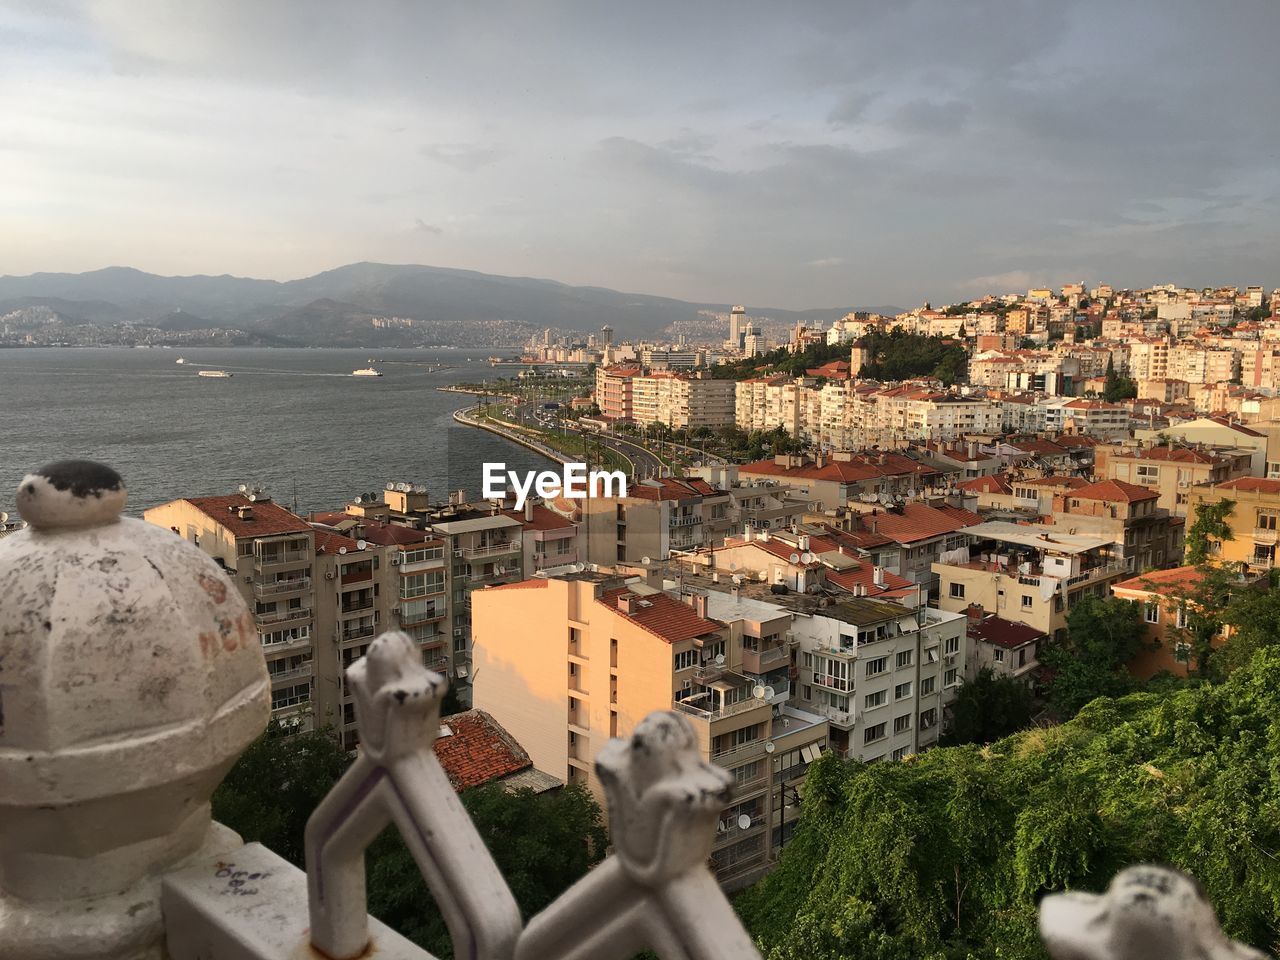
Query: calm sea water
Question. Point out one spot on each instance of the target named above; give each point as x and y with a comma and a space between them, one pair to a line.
291, 421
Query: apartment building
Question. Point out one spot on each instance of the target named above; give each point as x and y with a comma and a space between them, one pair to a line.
550, 539
1221, 433
1196, 363
923, 533
1030, 574
268, 553
1016, 492
882, 674
1164, 619
597, 654
481, 548
1142, 533
1170, 470
1005, 647
766, 403
1090, 417
656, 516
615, 392
758, 504
682, 401
1148, 358
912, 413
1254, 521
832, 480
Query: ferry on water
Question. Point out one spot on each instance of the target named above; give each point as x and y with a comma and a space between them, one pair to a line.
215, 373
366, 372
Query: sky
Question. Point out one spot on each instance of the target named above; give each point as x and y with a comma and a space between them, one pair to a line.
784, 154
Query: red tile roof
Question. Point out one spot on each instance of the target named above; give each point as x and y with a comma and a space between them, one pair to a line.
477, 750
671, 488
1005, 633
1114, 491
919, 521
329, 542
1170, 455
1158, 581
268, 518
864, 576
661, 615
1250, 485
543, 519
992, 484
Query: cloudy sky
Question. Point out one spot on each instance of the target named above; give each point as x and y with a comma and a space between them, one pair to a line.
781, 154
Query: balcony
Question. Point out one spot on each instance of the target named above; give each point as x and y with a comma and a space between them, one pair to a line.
762, 661
687, 520
355, 606
841, 718
303, 672
281, 558
1265, 535
416, 563
281, 588
707, 707
282, 617
742, 751
491, 549
359, 633
411, 617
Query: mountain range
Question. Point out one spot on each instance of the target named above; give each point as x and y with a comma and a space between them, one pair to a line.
337, 307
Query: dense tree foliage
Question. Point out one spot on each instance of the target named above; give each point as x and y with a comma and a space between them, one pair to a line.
542, 842
947, 853
1089, 661
988, 708
1210, 524
901, 356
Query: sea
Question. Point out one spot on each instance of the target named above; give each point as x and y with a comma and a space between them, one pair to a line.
291, 422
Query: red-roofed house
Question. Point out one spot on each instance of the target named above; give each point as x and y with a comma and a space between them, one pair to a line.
474, 750
923, 533
656, 516
1171, 470
1005, 647
1128, 515
1163, 594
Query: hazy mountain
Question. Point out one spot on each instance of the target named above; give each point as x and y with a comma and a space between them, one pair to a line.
336, 306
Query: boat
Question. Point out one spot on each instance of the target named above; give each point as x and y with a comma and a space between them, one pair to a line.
366, 372
180, 360
215, 373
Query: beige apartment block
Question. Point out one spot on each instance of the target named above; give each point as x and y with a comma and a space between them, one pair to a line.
1171, 471
1254, 521
1143, 534
1030, 574
656, 516
597, 654
268, 554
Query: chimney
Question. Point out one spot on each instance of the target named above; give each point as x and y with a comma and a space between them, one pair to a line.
627, 603
700, 604
804, 543
746, 533
528, 512
973, 450
877, 576
976, 614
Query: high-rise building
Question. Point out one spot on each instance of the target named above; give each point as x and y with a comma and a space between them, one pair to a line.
737, 326
596, 654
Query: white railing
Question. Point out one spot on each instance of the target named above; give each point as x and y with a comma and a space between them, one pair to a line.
280, 587
491, 549
282, 616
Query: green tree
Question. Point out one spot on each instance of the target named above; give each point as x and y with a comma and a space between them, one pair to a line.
1089, 660
988, 708
542, 843
1254, 618
1209, 524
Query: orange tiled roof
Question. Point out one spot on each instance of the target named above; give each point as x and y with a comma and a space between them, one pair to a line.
919, 521
1005, 633
543, 519
1158, 581
329, 542
661, 615
992, 484
1250, 485
1116, 491
477, 750
268, 518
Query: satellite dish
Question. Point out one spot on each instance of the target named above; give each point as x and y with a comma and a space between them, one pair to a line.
243, 488
737, 579
719, 659
461, 671
733, 566
253, 498
360, 544
758, 691
768, 693
808, 557
404, 488
390, 485
744, 822
342, 549
579, 567
795, 558
646, 561
770, 747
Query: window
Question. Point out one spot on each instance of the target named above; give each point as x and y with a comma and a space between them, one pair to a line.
904, 658
928, 718
873, 700
957, 591
902, 691
1181, 620
831, 672
898, 754
877, 666
836, 701
926, 685
808, 661
685, 659
1151, 612
999, 656
872, 734
951, 678
952, 645
1022, 657
902, 724
807, 692
713, 650
1266, 521
1028, 601
747, 772
290, 696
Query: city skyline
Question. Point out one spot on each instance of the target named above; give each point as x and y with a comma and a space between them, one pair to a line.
799, 160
